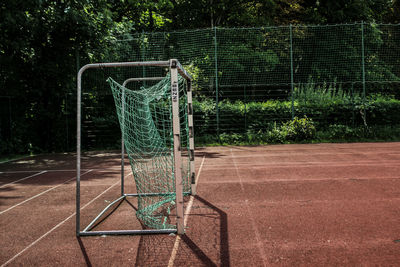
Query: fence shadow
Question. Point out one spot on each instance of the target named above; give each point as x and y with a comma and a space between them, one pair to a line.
205, 242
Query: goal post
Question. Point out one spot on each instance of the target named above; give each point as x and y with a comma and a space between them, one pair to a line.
176, 80
177, 141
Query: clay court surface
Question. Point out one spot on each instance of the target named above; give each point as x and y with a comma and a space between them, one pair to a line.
290, 205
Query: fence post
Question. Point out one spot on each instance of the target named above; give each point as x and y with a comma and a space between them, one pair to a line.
66, 121
245, 109
78, 66
216, 80
291, 69
363, 72
143, 57
353, 107
9, 111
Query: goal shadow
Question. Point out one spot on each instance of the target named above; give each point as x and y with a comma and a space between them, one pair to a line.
205, 242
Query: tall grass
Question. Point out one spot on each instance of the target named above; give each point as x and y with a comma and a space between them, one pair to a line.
325, 93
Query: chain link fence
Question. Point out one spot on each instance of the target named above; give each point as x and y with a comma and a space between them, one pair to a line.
249, 79
246, 80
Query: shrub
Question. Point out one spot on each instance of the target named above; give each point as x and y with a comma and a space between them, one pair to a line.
232, 139
339, 132
269, 121
299, 129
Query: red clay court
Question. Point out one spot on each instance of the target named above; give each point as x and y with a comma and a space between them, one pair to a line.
319, 204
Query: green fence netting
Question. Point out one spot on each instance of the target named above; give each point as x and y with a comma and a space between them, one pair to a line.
248, 79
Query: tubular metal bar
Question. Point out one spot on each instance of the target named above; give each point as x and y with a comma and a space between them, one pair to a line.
216, 79
87, 229
126, 64
177, 152
101, 213
142, 79
182, 71
363, 68
191, 138
152, 194
128, 232
149, 194
123, 142
291, 69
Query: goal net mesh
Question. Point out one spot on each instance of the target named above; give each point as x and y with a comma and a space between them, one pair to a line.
145, 118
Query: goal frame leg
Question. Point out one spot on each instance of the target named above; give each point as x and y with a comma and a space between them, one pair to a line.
177, 149
191, 139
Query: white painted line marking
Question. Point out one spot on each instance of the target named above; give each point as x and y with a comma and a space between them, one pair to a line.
253, 223
30, 176
44, 192
66, 170
22, 171
40, 171
58, 225
187, 212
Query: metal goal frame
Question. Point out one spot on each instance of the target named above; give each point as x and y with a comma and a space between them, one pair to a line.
174, 68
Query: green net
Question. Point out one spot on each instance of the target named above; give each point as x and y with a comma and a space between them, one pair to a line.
145, 117
247, 80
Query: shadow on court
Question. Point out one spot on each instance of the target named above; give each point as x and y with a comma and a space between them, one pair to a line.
84, 253
205, 242
64, 161
3, 197
203, 151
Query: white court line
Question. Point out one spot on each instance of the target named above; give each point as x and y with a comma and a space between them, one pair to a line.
69, 170
30, 176
253, 223
66, 170
44, 192
187, 212
22, 171
344, 179
58, 225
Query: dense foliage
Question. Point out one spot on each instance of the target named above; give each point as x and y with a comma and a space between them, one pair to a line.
43, 43
381, 111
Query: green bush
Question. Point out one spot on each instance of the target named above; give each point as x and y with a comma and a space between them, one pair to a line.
340, 132
271, 135
232, 139
240, 117
343, 133
299, 129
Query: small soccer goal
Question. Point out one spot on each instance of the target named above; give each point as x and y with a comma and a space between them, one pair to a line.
156, 124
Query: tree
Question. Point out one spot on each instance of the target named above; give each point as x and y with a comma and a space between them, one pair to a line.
40, 40
342, 11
